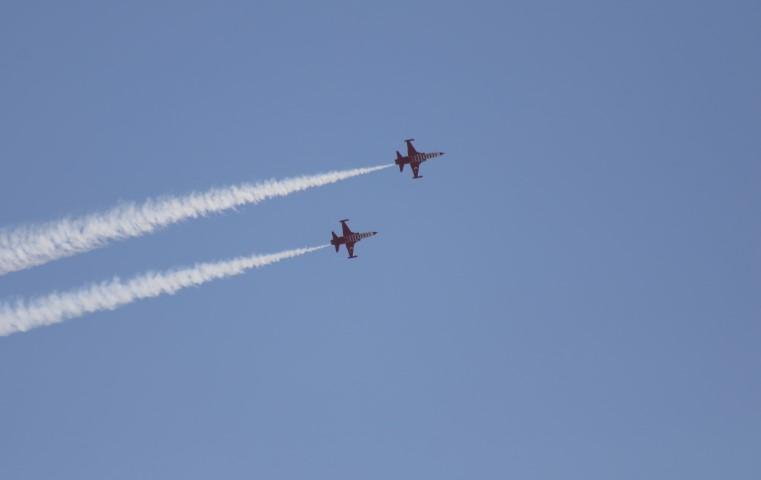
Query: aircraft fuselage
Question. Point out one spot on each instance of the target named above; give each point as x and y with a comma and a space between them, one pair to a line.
353, 238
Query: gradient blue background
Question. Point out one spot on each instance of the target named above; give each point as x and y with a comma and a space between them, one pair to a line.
572, 292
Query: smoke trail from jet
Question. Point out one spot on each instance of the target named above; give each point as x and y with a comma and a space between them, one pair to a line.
30, 245
21, 315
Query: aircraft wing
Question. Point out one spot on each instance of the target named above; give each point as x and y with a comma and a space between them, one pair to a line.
410, 149
350, 248
415, 168
346, 229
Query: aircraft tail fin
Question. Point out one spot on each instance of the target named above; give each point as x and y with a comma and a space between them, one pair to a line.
335, 240
399, 161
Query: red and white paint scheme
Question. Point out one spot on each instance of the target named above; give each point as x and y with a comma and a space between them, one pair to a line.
349, 238
414, 158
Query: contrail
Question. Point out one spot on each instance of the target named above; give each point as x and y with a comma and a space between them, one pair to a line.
30, 245
21, 315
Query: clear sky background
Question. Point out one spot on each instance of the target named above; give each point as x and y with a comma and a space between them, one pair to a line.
572, 292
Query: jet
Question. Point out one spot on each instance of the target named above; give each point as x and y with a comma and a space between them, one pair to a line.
414, 158
349, 238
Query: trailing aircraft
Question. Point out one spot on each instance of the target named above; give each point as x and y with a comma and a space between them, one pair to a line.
349, 238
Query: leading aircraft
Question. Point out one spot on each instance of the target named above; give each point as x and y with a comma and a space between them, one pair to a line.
349, 238
414, 158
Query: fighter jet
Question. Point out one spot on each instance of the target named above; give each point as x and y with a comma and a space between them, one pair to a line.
414, 158
349, 238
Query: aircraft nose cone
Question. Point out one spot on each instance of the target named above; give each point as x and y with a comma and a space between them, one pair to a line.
375, 233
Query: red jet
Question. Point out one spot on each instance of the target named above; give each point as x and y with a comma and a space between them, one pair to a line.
349, 238
414, 158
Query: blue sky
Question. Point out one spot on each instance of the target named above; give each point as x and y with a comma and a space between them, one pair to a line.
571, 292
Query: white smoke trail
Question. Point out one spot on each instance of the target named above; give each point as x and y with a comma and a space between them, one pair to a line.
21, 315
29, 245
